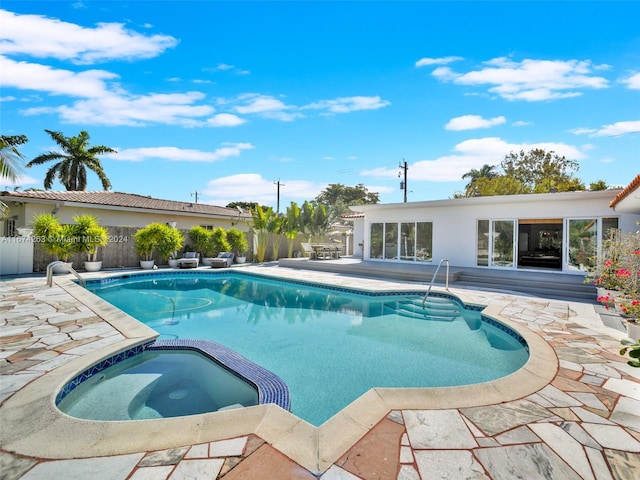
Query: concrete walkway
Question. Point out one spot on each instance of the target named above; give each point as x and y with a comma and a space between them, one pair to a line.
584, 423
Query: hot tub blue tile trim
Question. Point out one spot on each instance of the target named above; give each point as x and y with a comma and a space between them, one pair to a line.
271, 388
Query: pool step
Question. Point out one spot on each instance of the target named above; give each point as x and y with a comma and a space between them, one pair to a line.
434, 309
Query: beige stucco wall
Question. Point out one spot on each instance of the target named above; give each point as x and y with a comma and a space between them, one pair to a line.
114, 217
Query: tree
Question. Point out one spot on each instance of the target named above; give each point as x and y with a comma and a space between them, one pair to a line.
314, 219
246, 206
500, 185
10, 163
291, 226
539, 171
261, 220
487, 171
72, 163
337, 198
598, 185
10, 156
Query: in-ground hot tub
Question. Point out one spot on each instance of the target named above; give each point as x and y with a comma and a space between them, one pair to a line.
170, 379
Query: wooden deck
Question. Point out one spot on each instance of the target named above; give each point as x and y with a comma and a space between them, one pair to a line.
557, 285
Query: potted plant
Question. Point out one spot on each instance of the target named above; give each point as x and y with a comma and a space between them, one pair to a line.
89, 236
617, 273
218, 241
200, 241
170, 243
238, 244
633, 347
56, 239
147, 240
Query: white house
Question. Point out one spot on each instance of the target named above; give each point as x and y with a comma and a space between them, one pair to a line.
553, 232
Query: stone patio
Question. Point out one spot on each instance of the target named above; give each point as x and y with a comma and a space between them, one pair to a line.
583, 424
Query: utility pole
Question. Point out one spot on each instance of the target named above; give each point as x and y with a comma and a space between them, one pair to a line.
403, 183
279, 184
195, 194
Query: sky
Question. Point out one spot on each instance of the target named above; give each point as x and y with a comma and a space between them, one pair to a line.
235, 101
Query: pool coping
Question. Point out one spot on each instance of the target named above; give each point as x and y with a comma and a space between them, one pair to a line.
30, 414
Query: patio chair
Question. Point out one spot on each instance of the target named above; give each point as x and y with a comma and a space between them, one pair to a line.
224, 259
307, 251
189, 260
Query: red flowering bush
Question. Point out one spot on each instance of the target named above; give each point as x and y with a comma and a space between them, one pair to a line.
618, 270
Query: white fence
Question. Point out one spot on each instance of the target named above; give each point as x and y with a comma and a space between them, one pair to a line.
16, 255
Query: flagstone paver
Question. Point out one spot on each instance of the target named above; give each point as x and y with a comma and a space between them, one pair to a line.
585, 424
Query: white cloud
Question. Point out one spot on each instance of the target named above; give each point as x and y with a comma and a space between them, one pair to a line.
426, 62
349, 104
471, 122
473, 153
521, 123
20, 181
33, 76
633, 81
265, 106
225, 120
42, 37
252, 187
112, 109
618, 128
179, 154
529, 80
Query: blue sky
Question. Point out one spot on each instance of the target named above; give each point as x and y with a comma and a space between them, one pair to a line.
226, 98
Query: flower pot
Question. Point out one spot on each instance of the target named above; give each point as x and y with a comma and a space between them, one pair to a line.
240, 259
633, 331
61, 269
92, 266
206, 261
146, 264
174, 263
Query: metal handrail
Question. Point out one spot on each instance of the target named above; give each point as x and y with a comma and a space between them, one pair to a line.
68, 267
444, 260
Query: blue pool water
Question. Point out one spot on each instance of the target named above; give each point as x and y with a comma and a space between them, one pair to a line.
329, 346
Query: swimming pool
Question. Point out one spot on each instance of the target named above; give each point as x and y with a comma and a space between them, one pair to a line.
329, 345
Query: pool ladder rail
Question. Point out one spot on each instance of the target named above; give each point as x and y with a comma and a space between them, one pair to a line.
433, 279
69, 269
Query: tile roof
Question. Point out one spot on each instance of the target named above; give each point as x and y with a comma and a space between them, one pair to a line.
635, 183
124, 200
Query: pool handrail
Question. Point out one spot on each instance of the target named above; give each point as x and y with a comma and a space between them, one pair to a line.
69, 269
433, 279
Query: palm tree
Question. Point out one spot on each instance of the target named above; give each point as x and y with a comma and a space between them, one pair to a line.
10, 156
487, 171
71, 166
10, 163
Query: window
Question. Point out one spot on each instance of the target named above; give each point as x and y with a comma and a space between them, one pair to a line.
583, 243
377, 235
482, 244
424, 241
408, 241
10, 227
503, 241
390, 240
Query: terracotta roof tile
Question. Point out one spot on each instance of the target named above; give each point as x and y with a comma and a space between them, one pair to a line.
126, 200
635, 183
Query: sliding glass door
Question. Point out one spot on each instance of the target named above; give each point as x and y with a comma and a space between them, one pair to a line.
408, 241
582, 244
495, 243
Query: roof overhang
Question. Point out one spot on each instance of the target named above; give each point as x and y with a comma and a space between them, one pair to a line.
628, 200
